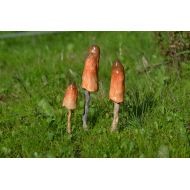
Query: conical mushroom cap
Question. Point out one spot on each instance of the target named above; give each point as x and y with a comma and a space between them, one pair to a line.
90, 72
95, 50
117, 85
70, 97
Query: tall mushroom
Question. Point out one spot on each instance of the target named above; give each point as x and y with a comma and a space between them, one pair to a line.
117, 89
90, 78
69, 102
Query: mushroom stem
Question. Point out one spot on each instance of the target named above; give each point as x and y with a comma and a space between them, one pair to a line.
69, 122
115, 117
86, 109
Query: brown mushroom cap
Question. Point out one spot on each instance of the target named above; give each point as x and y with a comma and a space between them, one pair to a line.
117, 85
94, 49
70, 97
90, 72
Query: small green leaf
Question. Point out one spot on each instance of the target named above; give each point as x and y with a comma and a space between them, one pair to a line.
46, 108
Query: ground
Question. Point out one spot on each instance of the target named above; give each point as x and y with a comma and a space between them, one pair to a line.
35, 71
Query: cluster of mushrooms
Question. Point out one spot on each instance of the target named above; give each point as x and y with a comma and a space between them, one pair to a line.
90, 84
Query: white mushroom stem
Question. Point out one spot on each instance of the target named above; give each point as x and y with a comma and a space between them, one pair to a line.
115, 117
86, 109
69, 122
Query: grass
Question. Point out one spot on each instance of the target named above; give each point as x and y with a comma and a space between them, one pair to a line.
35, 71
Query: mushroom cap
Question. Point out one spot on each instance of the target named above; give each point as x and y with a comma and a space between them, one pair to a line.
90, 72
94, 49
70, 97
117, 85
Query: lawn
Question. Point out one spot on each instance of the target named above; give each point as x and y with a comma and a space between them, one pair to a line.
35, 71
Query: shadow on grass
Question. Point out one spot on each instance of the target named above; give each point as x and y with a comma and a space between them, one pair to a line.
140, 105
136, 107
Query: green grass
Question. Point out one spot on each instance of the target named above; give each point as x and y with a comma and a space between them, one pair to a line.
35, 71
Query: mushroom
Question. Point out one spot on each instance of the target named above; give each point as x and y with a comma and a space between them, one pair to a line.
117, 89
69, 102
90, 78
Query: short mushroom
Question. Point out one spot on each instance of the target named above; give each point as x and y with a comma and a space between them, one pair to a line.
69, 102
117, 89
90, 78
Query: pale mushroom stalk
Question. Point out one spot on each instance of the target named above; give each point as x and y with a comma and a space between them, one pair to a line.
69, 122
86, 108
90, 79
115, 117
